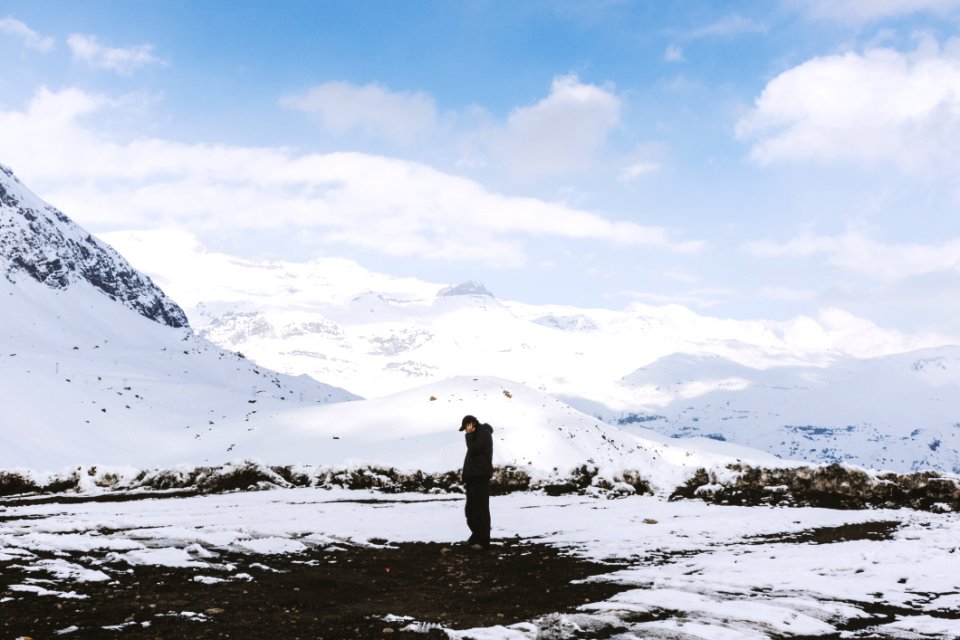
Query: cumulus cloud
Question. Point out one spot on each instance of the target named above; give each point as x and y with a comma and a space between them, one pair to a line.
392, 206
564, 132
28, 36
634, 171
837, 329
786, 294
727, 26
561, 133
701, 298
881, 106
88, 49
860, 11
343, 107
859, 254
673, 53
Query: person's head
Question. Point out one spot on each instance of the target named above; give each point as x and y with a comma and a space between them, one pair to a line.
468, 421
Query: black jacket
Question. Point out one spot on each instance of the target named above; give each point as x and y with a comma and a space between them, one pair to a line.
479, 460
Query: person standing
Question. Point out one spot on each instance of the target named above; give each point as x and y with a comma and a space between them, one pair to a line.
477, 470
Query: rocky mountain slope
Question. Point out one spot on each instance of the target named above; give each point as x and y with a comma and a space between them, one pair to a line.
38, 241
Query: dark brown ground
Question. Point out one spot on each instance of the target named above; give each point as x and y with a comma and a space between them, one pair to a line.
321, 594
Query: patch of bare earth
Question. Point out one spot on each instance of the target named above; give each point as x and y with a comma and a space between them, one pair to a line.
347, 593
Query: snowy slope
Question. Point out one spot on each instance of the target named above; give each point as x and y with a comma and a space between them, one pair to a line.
418, 430
87, 381
97, 365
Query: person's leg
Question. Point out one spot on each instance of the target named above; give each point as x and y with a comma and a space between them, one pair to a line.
469, 509
481, 514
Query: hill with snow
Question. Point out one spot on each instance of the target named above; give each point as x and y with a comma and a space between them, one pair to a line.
826, 389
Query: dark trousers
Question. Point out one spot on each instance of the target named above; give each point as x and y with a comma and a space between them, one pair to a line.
477, 510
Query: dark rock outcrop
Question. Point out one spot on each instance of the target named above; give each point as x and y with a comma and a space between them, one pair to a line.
470, 288
40, 242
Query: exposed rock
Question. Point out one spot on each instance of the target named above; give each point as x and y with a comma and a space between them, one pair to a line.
40, 242
471, 288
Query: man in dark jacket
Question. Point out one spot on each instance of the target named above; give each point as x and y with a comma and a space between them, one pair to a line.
477, 469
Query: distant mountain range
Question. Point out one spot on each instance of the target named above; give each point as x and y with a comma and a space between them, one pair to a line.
810, 389
101, 373
899, 412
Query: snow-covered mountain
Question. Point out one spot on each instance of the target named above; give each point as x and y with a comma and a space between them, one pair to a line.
898, 412
378, 334
39, 241
99, 367
825, 389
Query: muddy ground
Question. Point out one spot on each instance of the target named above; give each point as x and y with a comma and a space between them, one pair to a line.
346, 593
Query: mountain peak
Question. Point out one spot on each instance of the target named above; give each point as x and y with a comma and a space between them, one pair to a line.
8, 172
38, 241
469, 288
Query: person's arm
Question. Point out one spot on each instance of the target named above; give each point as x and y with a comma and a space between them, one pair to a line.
474, 443
484, 445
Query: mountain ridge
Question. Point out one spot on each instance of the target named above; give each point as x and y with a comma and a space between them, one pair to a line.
40, 241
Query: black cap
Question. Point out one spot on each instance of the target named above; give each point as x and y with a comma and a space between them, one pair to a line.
467, 420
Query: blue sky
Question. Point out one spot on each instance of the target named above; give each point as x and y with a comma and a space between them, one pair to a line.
743, 159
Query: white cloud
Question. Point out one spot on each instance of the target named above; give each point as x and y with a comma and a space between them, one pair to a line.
392, 206
804, 245
679, 275
859, 11
786, 294
564, 132
673, 53
696, 298
837, 329
88, 49
882, 106
859, 254
731, 25
561, 133
343, 108
634, 171
30, 38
